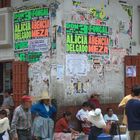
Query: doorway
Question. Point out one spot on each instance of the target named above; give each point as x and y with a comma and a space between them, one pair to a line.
5, 78
131, 73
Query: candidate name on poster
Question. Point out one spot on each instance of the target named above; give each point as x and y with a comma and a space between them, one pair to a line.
38, 45
30, 28
83, 38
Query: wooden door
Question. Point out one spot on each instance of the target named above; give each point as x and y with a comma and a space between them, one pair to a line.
130, 81
20, 80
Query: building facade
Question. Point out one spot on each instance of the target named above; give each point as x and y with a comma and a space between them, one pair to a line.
73, 48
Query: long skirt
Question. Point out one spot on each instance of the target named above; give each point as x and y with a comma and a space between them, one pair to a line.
43, 128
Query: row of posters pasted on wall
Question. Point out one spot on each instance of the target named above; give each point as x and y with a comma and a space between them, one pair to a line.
31, 34
76, 64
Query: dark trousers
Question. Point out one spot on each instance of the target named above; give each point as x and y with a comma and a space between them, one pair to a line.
1, 134
24, 134
94, 133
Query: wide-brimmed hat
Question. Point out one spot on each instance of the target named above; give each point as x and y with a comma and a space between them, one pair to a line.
44, 96
95, 94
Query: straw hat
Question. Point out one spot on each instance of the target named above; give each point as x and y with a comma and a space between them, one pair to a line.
95, 94
44, 96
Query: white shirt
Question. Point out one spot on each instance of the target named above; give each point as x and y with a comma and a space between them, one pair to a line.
82, 114
96, 118
112, 118
4, 125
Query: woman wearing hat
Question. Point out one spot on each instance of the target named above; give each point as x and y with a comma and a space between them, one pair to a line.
43, 123
94, 99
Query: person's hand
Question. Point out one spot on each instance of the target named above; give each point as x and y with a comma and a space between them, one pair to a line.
76, 132
3, 107
15, 137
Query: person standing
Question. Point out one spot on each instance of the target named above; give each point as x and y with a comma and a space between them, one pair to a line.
82, 115
43, 123
123, 104
8, 104
94, 99
133, 114
21, 122
96, 118
4, 125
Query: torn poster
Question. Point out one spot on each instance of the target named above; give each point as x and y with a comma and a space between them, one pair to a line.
60, 72
76, 65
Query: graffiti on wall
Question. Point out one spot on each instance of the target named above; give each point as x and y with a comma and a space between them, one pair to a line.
129, 10
92, 15
76, 3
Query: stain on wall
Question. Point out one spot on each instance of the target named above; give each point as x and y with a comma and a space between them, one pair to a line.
72, 75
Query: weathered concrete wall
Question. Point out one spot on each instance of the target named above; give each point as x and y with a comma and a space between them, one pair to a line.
6, 54
106, 78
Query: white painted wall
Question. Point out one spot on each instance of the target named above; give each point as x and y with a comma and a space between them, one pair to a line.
110, 86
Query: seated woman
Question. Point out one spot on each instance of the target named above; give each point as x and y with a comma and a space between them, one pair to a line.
82, 115
111, 119
110, 116
62, 129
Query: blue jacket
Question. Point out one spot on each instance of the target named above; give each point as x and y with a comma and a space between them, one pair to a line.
39, 109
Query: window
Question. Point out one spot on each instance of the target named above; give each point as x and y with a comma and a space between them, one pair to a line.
5, 76
5, 3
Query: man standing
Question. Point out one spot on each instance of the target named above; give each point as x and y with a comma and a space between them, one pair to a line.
8, 104
21, 122
7, 101
133, 114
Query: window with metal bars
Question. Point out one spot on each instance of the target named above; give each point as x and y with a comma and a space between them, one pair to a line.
5, 3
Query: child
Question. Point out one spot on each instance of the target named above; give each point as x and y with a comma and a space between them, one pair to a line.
62, 129
4, 125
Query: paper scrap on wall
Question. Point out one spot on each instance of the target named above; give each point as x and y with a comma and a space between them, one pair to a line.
76, 65
60, 72
130, 71
117, 55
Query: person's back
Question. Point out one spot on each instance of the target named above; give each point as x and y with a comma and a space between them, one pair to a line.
133, 114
